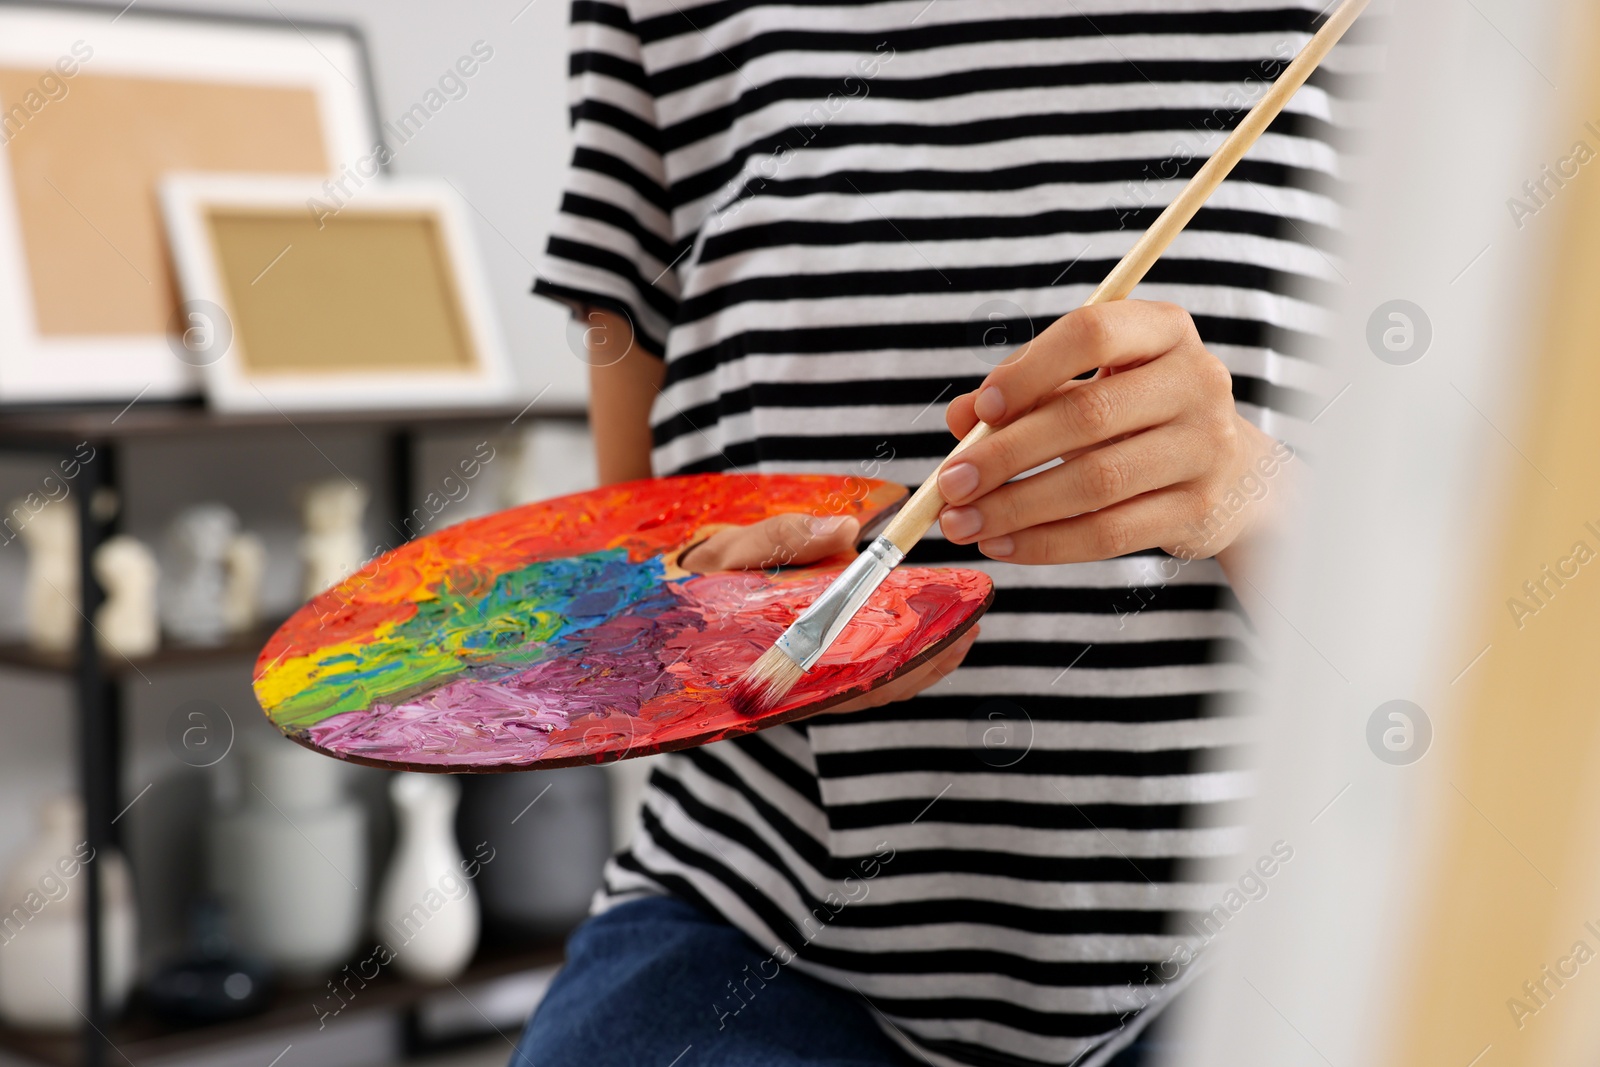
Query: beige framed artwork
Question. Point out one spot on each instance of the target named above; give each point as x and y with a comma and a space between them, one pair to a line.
379, 304
95, 107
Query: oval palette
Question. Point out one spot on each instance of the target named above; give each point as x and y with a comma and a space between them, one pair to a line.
564, 632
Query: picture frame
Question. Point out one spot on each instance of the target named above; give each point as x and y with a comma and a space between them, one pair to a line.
375, 303
97, 102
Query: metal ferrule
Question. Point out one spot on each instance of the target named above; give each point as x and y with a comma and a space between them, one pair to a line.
809, 636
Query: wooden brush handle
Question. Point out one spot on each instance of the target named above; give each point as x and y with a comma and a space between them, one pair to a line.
922, 510
917, 516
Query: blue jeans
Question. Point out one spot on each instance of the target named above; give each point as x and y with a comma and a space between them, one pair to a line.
659, 983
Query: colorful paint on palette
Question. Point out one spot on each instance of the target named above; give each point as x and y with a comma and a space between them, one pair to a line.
563, 632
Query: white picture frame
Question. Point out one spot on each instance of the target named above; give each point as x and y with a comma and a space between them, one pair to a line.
53, 363
188, 201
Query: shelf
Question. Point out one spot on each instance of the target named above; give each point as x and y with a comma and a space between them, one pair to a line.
62, 426
388, 1001
237, 646
142, 1038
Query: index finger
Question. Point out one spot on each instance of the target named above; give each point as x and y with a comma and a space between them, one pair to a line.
1121, 334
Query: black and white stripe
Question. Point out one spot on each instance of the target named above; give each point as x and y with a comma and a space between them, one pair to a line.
803, 207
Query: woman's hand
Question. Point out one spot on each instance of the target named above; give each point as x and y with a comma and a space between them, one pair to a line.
784, 540
1155, 454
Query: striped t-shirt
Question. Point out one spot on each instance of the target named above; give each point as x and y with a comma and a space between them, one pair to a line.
829, 219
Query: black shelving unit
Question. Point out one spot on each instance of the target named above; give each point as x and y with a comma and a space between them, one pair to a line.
55, 433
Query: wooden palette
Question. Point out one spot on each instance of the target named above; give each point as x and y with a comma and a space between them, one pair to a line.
564, 632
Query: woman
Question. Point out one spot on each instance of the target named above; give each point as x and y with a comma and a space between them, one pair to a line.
795, 233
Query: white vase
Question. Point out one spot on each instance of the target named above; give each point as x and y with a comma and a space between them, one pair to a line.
289, 859
50, 594
333, 545
42, 952
126, 625
427, 910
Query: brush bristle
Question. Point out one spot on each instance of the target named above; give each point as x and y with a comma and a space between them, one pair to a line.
766, 683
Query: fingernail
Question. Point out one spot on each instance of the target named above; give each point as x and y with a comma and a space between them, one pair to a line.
997, 547
957, 480
990, 405
959, 524
824, 527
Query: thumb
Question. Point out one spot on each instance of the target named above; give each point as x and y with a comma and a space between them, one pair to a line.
781, 541
795, 538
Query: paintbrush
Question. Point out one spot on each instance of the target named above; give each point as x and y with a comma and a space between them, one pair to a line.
781, 667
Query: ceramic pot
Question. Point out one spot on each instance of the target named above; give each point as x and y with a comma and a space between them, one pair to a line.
194, 574
427, 911
289, 858
551, 836
42, 980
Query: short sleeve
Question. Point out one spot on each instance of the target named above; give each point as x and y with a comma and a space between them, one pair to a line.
611, 245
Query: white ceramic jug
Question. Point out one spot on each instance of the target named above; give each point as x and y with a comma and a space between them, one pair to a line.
290, 859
